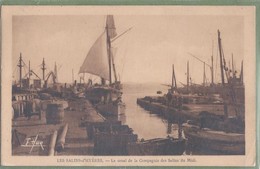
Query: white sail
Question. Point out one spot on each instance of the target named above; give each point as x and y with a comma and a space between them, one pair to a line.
111, 28
96, 61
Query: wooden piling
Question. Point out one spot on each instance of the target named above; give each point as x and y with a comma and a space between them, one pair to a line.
52, 144
61, 138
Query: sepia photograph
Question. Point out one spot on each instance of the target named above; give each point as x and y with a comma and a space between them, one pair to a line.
163, 86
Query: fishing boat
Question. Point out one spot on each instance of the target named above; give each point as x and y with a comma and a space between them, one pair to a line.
100, 62
225, 136
210, 141
157, 146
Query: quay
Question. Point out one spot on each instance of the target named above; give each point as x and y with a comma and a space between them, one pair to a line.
188, 111
34, 134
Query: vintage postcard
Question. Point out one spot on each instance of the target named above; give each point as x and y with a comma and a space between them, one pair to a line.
128, 86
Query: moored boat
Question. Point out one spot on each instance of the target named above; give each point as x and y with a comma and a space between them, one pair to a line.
210, 142
225, 136
157, 146
100, 62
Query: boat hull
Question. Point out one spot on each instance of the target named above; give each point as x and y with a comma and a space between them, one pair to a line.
111, 138
157, 147
211, 142
102, 94
110, 109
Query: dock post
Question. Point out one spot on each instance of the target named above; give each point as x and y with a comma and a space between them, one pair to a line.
52, 144
61, 139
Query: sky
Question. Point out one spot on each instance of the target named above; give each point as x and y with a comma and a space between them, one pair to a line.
144, 54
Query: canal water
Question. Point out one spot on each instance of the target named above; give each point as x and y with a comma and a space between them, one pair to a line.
144, 123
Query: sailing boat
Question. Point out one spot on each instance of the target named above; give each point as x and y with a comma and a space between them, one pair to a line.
225, 136
100, 62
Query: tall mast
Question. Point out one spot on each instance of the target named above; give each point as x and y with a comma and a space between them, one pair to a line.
212, 71
174, 79
29, 73
72, 76
188, 77
111, 33
56, 72
220, 55
172, 76
43, 70
212, 66
174, 84
109, 54
204, 75
241, 73
233, 69
114, 67
20, 65
204, 70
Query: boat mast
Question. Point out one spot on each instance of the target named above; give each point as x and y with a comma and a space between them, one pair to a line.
114, 68
20, 65
174, 84
172, 77
109, 53
188, 77
221, 62
204, 75
212, 71
212, 68
233, 70
29, 70
56, 72
241, 73
204, 69
72, 73
43, 70
29, 73
111, 34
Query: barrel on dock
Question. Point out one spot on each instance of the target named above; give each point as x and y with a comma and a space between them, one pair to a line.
29, 107
54, 113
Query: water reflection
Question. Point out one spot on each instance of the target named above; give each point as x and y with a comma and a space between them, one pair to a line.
144, 123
